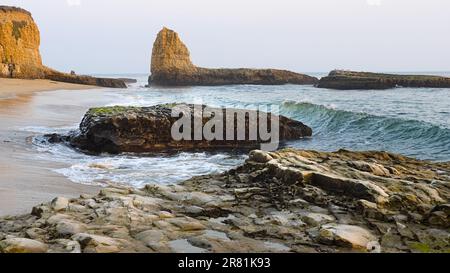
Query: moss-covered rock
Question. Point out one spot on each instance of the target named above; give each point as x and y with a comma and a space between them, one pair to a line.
108, 111
120, 129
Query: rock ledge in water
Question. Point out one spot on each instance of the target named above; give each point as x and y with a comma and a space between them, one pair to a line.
349, 80
172, 66
149, 129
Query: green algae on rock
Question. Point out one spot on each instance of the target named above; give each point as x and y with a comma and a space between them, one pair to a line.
121, 129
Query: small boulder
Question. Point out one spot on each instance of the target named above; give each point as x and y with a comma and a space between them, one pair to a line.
60, 204
65, 246
186, 224
151, 237
260, 156
346, 235
40, 210
96, 244
316, 219
68, 228
55, 219
22, 245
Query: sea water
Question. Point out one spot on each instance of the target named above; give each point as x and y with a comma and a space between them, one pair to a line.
410, 121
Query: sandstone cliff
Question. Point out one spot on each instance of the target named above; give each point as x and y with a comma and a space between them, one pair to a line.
172, 65
20, 56
19, 44
348, 80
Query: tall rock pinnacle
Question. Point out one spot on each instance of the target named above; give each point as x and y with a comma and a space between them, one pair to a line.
170, 53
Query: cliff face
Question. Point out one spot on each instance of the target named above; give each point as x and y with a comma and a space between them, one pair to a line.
350, 80
20, 56
19, 44
172, 65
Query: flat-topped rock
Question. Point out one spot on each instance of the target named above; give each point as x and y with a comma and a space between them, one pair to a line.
83, 79
348, 80
172, 66
149, 129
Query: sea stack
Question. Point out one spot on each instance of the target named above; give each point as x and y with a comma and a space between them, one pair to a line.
172, 66
350, 80
19, 52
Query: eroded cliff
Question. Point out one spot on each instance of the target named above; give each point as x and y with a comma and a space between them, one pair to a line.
19, 44
20, 56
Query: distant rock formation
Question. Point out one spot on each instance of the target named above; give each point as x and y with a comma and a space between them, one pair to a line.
149, 129
172, 66
128, 80
350, 80
20, 56
82, 79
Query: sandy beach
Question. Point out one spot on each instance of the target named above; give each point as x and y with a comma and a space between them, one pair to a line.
25, 181
10, 88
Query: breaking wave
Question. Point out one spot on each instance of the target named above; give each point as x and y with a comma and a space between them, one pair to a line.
337, 129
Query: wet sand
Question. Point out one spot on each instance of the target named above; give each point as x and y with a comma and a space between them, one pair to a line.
10, 88
25, 178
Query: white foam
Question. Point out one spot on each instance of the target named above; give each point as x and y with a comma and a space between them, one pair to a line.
134, 170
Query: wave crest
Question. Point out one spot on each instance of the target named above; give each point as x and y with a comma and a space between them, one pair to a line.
352, 129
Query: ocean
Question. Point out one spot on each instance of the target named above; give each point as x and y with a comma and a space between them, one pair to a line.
413, 122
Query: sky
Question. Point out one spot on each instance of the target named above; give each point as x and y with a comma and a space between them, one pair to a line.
116, 36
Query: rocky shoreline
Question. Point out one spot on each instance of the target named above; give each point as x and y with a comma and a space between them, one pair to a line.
350, 80
285, 201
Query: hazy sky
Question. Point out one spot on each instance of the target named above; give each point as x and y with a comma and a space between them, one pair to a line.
116, 36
